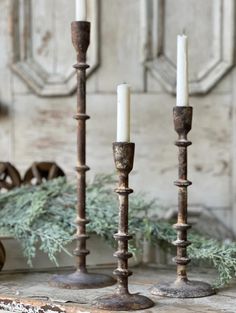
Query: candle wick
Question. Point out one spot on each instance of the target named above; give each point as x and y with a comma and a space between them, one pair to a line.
184, 32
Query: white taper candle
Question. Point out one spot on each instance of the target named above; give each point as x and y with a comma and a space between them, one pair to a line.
182, 71
123, 113
81, 10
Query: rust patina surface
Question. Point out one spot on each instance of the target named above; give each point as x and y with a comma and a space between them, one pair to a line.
81, 279
122, 299
182, 287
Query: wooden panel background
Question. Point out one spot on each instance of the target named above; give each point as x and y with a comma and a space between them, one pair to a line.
35, 128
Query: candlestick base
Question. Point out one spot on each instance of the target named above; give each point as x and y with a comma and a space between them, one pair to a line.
123, 302
80, 280
183, 289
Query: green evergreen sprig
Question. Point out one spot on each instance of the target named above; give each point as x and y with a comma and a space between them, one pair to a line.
44, 215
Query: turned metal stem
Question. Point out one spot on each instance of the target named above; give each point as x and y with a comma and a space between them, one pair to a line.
81, 278
81, 40
182, 287
123, 156
122, 300
183, 123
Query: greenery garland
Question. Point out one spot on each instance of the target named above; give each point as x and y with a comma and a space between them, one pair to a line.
45, 215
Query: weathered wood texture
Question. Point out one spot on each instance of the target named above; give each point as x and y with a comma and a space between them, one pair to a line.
15, 260
41, 128
19, 292
6, 93
41, 44
210, 26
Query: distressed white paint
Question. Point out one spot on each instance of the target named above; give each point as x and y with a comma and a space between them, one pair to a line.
15, 306
43, 55
210, 25
156, 156
16, 260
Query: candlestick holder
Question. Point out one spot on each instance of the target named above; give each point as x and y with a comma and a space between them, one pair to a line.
81, 279
182, 287
122, 300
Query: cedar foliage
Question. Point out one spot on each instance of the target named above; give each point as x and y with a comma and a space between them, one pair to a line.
44, 216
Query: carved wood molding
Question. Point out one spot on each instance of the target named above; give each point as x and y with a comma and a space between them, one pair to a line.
25, 59
156, 53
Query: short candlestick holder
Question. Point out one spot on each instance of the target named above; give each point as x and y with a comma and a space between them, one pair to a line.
122, 300
182, 287
81, 279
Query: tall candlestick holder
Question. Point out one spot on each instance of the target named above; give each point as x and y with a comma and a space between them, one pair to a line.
81, 279
122, 300
182, 287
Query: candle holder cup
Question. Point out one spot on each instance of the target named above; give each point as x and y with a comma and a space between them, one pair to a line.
183, 287
122, 300
81, 279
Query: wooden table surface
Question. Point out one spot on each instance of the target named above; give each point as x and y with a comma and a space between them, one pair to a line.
30, 292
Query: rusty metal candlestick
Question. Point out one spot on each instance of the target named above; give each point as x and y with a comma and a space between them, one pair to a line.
182, 287
81, 279
122, 300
